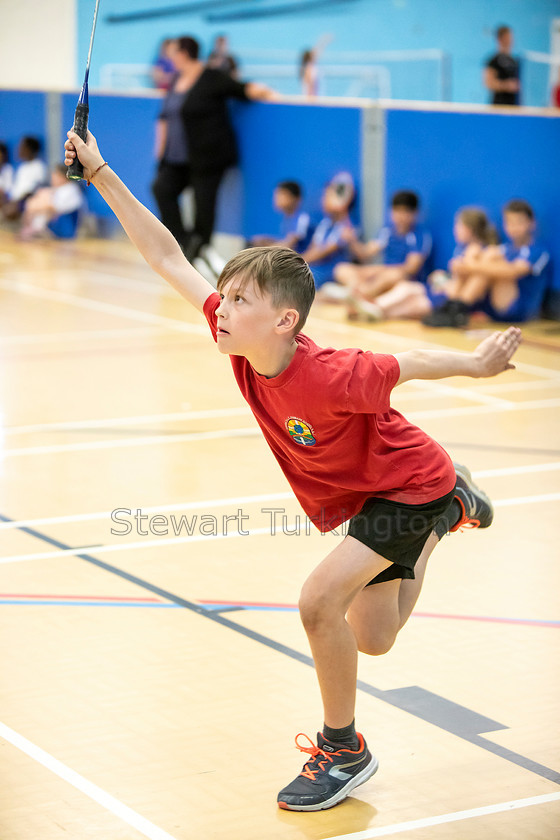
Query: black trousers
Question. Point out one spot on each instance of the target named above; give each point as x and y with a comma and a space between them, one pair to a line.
169, 183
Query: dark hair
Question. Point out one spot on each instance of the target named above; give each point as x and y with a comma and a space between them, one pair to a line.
407, 199
478, 223
60, 168
4, 153
32, 143
278, 272
290, 186
188, 45
519, 205
306, 57
502, 30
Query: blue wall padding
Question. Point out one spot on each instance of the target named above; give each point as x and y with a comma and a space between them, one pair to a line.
450, 159
21, 113
280, 142
456, 159
124, 129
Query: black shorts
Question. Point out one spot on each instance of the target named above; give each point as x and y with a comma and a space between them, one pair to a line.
397, 532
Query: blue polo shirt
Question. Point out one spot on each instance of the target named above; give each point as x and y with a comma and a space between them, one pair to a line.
300, 224
328, 232
532, 286
397, 247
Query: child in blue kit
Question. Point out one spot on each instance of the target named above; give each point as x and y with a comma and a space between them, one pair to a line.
295, 226
329, 244
507, 282
430, 301
403, 244
518, 276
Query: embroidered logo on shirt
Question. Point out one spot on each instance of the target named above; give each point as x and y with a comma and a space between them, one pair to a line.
300, 431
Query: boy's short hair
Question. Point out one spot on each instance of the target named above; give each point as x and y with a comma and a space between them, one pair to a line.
188, 45
501, 31
290, 186
279, 272
405, 198
519, 205
33, 144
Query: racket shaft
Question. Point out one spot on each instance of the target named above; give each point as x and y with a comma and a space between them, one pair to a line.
76, 171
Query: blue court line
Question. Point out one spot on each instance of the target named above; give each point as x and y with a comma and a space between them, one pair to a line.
234, 607
544, 622
453, 718
257, 607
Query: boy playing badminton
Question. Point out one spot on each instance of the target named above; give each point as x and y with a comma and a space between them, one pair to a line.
347, 454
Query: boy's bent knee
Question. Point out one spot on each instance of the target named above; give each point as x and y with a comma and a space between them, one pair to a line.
343, 272
377, 645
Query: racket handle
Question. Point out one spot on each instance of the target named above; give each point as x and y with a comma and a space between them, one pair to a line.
76, 171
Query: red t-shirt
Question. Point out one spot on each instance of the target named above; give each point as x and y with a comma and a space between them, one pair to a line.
328, 421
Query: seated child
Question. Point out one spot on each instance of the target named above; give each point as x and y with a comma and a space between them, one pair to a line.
509, 281
6, 174
55, 208
295, 227
405, 247
329, 242
30, 175
473, 234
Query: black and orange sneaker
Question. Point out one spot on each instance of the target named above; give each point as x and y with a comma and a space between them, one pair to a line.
332, 772
475, 505
476, 509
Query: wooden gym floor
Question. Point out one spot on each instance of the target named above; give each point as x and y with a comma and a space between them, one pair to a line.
152, 683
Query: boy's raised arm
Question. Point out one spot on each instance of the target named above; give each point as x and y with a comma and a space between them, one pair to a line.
492, 356
156, 244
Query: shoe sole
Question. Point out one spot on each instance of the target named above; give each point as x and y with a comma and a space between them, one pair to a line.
464, 473
345, 791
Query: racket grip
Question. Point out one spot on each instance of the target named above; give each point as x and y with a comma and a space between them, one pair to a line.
76, 171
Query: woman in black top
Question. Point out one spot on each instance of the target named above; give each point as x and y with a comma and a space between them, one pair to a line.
195, 142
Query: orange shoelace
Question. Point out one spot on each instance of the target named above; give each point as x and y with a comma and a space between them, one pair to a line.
314, 751
464, 522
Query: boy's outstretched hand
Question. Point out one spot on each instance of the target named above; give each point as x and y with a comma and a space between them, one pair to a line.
493, 355
89, 155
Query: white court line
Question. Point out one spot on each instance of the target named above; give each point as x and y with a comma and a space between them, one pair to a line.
460, 392
412, 825
109, 549
416, 342
246, 432
119, 809
107, 308
528, 405
157, 289
137, 420
531, 385
527, 500
202, 505
43, 338
106, 549
209, 504
528, 468
187, 437
171, 323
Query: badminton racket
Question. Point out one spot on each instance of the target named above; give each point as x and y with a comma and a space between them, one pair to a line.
76, 171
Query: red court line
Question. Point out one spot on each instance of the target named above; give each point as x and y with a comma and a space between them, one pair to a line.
78, 597
481, 618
